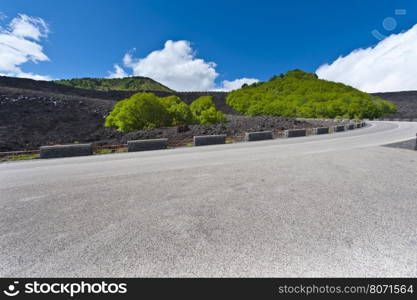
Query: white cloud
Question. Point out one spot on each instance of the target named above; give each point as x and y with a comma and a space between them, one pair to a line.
391, 65
177, 67
118, 72
19, 43
237, 83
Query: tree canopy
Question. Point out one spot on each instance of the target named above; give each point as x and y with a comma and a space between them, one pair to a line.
302, 94
145, 111
205, 112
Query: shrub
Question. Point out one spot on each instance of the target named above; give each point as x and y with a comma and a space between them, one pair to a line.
205, 112
179, 111
145, 111
142, 110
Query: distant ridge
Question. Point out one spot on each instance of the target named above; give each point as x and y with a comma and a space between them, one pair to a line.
134, 83
406, 102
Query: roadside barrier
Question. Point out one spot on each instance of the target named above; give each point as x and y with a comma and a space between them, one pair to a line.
205, 140
146, 145
321, 130
295, 133
339, 128
66, 150
156, 144
258, 136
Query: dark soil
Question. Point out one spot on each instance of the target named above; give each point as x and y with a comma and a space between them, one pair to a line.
406, 103
31, 119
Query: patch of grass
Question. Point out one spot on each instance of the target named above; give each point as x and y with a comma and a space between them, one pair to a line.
19, 157
103, 151
108, 151
230, 141
189, 145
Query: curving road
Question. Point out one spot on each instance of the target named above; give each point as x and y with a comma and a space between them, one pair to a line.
331, 205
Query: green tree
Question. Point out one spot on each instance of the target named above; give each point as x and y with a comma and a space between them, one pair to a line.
179, 111
145, 111
301, 94
205, 112
142, 110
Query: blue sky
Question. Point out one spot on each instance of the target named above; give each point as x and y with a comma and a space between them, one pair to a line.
245, 39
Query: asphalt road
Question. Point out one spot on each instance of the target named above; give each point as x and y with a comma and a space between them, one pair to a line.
332, 205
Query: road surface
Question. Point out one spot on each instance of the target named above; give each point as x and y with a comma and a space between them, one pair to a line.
331, 205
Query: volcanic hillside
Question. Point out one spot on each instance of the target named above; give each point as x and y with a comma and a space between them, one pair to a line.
406, 103
133, 83
35, 113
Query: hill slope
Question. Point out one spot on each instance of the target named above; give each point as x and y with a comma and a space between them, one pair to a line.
301, 94
34, 113
406, 103
135, 83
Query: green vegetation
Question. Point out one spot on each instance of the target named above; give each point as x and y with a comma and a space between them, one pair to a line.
179, 112
205, 112
19, 157
301, 94
141, 111
103, 151
109, 150
146, 111
136, 83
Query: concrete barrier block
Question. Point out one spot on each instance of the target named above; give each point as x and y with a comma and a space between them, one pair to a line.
363, 124
350, 126
66, 150
147, 145
205, 140
295, 132
358, 125
339, 128
258, 136
321, 130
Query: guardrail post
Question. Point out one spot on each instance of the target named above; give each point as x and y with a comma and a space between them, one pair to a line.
146, 145
205, 140
66, 150
295, 133
258, 136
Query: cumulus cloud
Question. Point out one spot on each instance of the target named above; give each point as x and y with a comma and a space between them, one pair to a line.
118, 72
177, 67
237, 83
391, 65
19, 43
